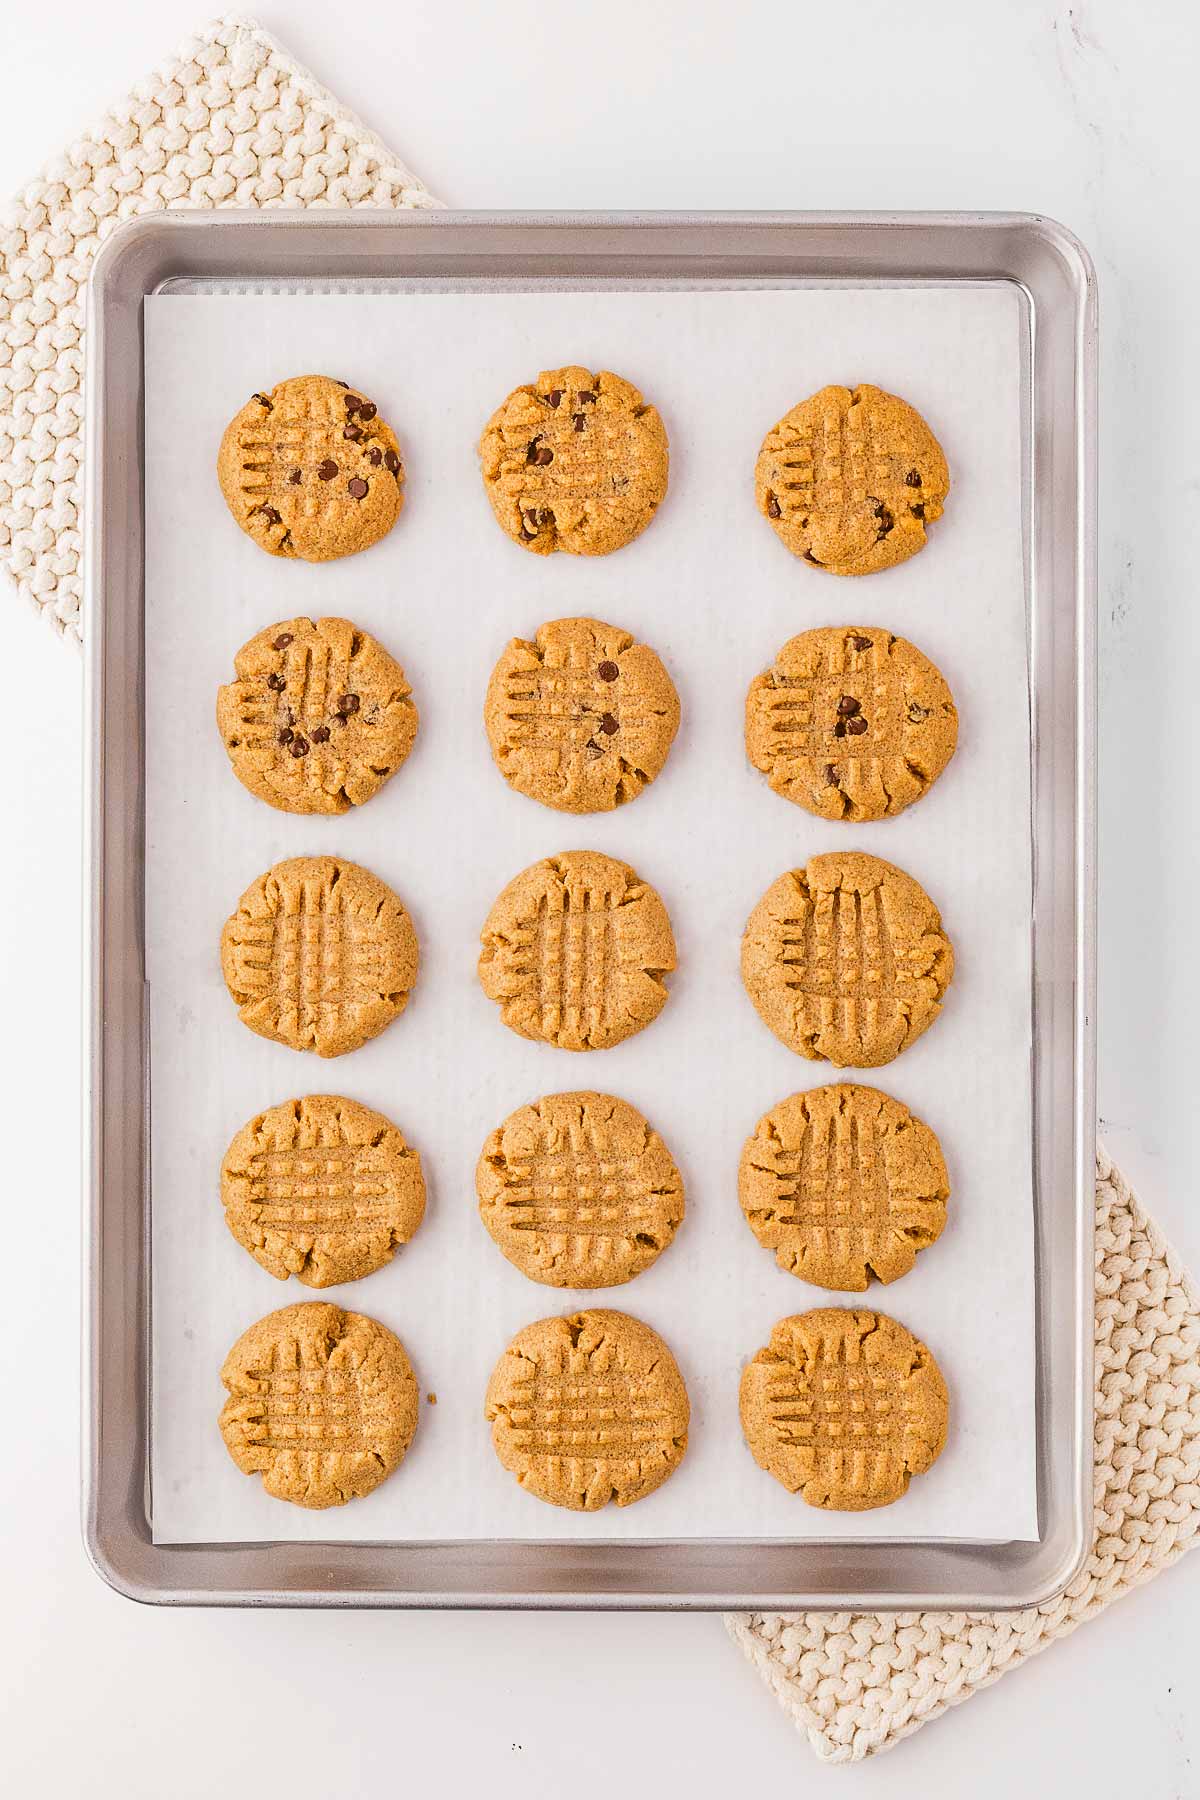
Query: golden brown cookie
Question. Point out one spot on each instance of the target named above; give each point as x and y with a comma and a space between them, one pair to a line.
321, 1188
578, 1191
850, 478
319, 716
844, 1408
575, 950
588, 1409
574, 462
850, 722
322, 1403
844, 1185
846, 959
320, 955
311, 470
582, 718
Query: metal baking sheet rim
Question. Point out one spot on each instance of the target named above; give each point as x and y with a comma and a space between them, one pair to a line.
1058, 281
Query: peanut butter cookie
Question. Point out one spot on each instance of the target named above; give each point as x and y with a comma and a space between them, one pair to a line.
311, 470
575, 950
850, 722
574, 462
319, 717
582, 718
844, 1185
321, 1188
588, 1409
850, 478
844, 1408
322, 1404
578, 1191
846, 959
320, 955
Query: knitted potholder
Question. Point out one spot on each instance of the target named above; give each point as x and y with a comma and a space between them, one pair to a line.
856, 1683
231, 120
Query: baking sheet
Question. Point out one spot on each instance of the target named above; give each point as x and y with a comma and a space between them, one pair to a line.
711, 588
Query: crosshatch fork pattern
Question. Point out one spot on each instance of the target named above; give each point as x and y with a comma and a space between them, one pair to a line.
311, 1410
831, 1407
841, 948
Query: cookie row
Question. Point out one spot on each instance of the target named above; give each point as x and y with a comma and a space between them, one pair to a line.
848, 479
841, 1407
578, 1191
849, 722
844, 959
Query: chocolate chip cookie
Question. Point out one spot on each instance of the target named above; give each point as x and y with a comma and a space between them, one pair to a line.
575, 950
321, 1188
320, 955
582, 718
844, 1408
578, 1191
322, 1404
574, 462
846, 959
588, 1409
319, 717
844, 1185
850, 722
311, 470
850, 478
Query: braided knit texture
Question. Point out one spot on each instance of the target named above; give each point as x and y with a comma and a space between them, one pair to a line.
856, 1683
231, 120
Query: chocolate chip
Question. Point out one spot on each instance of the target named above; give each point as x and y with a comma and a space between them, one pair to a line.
392, 463
608, 725
554, 396
918, 511
773, 507
339, 718
831, 779
861, 643
917, 712
839, 728
358, 488
367, 411
320, 734
263, 401
856, 727
352, 432
376, 456
848, 706
348, 703
578, 420
539, 453
276, 683
528, 536
545, 516
886, 519
294, 478
353, 403
299, 746
608, 671
282, 641
328, 469
593, 748
286, 735
587, 399
912, 479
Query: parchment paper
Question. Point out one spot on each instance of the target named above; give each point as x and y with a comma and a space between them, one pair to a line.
716, 594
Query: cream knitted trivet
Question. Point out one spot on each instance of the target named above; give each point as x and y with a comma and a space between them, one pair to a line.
233, 121
856, 1683
230, 121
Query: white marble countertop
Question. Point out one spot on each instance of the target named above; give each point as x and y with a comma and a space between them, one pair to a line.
1085, 113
